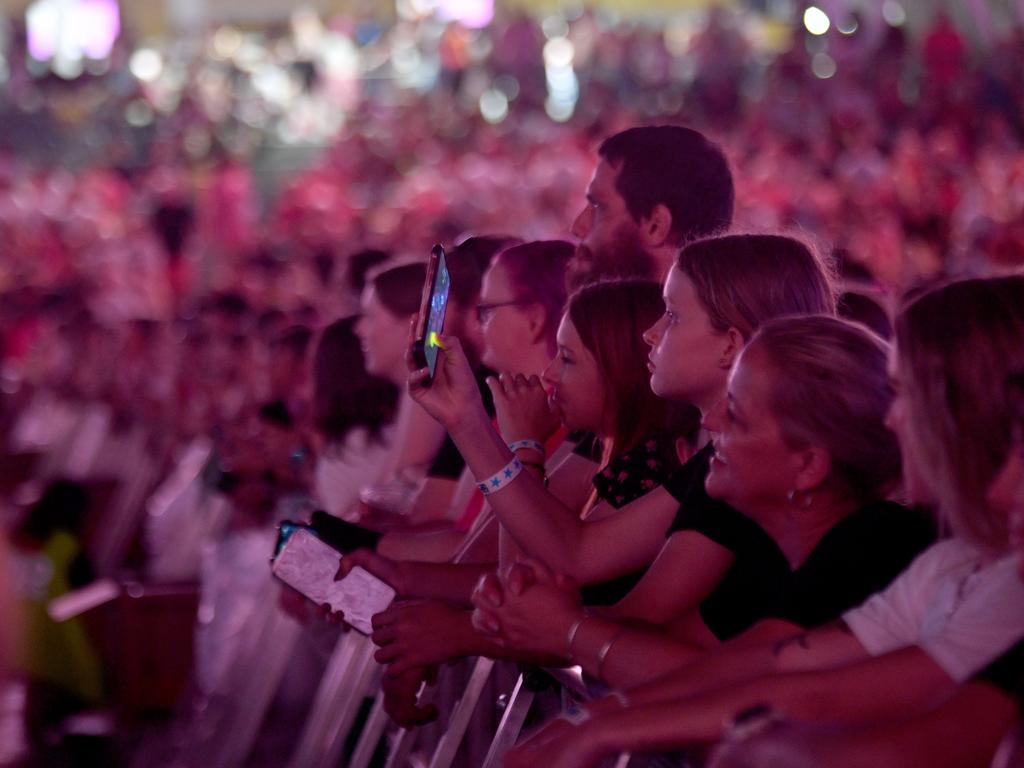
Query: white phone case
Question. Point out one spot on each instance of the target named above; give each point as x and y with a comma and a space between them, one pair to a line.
309, 565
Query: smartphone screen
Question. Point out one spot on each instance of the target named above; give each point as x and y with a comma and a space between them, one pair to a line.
309, 565
434, 307
286, 529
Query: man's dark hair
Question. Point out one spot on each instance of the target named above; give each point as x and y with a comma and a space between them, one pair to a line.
678, 168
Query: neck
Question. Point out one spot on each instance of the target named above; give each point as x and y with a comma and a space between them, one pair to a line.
664, 257
798, 530
706, 402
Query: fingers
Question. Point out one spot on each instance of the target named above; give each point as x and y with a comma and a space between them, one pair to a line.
404, 663
485, 622
488, 592
385, 618
525, 574
519, 578
383, 637
419, 378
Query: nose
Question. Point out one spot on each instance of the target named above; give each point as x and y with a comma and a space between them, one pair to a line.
581, 226
653, 334
548, 376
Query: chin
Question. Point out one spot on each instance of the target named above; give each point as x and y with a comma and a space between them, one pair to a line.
715, 485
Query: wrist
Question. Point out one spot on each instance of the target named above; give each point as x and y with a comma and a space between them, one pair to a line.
468, 423
403, 580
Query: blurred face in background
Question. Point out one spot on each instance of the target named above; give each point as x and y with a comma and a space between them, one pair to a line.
505, 321
383, 337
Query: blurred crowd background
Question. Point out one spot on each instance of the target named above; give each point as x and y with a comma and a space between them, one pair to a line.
180, 200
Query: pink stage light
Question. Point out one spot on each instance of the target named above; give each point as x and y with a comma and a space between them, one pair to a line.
474, 14
83, 28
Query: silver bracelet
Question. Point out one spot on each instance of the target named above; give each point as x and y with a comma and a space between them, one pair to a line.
605, 650
573, 630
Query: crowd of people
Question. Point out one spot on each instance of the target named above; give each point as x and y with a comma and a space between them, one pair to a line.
735, 426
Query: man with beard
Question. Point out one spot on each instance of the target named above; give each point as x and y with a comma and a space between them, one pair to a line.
655, 189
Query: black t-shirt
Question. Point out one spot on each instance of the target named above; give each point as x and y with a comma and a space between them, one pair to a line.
859, 556
448, 462
625, 479
1007, 673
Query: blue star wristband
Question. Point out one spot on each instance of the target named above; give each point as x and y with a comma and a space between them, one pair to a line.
501, 478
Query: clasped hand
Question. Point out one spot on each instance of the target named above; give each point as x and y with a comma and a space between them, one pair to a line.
528, 608
521, 405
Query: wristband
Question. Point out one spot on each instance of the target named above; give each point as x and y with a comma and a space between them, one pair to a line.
533, 445
501, 478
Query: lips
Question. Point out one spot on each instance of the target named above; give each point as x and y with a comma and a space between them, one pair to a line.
716, 458
554, 405
651, 366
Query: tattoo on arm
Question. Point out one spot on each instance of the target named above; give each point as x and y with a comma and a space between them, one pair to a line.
803, 641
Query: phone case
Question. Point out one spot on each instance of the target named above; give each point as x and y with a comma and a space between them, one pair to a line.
309, 565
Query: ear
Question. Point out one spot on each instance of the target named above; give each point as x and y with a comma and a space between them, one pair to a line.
536, 322
814, 464
734, 344
656, 227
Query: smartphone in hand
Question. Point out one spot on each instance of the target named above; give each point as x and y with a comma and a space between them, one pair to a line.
433, 307
308, 565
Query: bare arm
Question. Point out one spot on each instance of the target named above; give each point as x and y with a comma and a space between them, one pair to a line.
538, 522
686, 571
879, 688
744, 658
449, 582
962, 732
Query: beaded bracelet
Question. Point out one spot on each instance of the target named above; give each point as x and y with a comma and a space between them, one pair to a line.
501, 478
533, 445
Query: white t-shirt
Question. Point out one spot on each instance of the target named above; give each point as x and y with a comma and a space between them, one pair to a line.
962, 611
342, 471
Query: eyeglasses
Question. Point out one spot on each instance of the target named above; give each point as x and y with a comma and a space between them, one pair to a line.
484, 312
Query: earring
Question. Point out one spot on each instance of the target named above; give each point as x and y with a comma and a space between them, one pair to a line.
804, 497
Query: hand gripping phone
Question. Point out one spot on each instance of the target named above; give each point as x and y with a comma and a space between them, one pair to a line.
308, 565
433, 307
